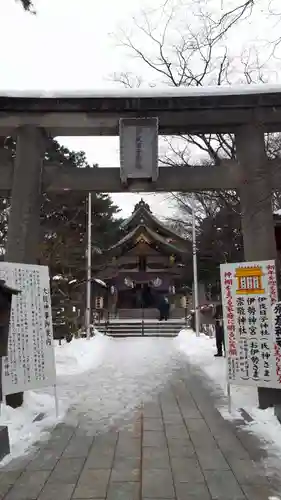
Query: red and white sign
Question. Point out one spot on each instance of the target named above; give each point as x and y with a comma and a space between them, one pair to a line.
249, 298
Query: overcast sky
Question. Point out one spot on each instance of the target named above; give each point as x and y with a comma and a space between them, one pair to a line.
67, 46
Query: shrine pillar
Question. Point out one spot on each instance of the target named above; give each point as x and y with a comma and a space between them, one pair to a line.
24, 218
113, 300
172, 295
255, 193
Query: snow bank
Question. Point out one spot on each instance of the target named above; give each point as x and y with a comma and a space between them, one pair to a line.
80, 355
73, 359
200, 352
23, 432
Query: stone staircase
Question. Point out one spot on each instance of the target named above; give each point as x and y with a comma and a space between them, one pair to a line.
149, 313
138, 328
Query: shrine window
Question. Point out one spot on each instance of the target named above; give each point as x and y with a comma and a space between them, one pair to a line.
142, 263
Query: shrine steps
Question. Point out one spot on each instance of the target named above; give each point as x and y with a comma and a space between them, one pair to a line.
139, 328
149, 313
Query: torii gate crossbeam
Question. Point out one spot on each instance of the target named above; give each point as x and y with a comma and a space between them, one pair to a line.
226, 176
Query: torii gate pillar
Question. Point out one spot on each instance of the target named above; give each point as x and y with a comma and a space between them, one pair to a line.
256, 212
24, 218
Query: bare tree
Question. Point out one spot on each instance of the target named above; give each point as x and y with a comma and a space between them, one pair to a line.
27, 5
184, 44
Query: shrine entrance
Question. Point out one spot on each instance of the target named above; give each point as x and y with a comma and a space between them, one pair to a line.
139, 116
140, 297
148, 298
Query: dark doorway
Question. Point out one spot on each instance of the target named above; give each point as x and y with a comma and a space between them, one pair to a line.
147, 296
141, 296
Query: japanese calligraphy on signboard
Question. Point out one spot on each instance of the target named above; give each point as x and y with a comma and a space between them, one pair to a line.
30, 363
277, 338
249, 295
138, 148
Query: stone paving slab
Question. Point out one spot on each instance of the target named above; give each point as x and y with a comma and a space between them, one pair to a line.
177, 447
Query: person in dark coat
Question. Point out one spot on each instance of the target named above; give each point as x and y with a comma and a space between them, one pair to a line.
164, 309
192, 321
220, 342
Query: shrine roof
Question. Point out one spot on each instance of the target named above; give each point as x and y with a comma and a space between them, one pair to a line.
142, 228
142, 211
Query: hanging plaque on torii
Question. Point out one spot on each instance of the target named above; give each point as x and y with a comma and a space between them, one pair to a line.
138, 149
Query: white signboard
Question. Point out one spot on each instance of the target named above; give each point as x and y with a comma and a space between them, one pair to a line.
30, 363
249, 292
138, 148
277, 338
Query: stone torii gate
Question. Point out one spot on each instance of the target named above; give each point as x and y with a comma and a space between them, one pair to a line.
248, 113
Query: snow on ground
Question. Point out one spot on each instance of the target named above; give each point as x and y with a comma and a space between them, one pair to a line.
200, 352
132, 370
102, 380
99, 383
23, 432
80, 355
72, 360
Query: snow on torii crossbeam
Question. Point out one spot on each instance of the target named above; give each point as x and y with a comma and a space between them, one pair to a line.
248, 112
191, 110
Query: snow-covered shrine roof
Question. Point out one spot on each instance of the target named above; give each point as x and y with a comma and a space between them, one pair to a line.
142, 228
142, 214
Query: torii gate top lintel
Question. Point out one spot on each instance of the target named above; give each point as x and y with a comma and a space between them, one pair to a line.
179, 110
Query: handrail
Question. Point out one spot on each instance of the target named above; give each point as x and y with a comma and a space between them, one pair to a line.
142, 320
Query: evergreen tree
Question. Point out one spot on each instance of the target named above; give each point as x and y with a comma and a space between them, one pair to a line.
63, 221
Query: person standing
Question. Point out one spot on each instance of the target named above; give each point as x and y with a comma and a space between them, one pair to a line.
220, 342
192, 321
164, 309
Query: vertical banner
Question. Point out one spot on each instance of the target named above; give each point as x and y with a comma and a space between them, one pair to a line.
249, 296
30, 363
277, 338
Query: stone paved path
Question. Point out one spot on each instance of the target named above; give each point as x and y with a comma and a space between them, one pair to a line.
177, 447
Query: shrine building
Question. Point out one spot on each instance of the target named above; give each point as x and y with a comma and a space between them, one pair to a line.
147, 263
